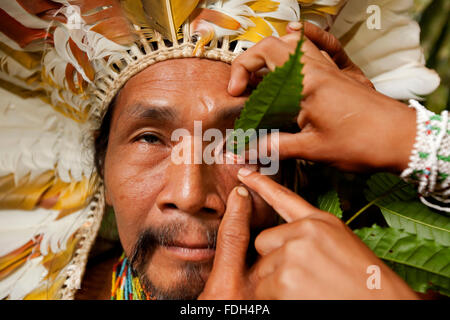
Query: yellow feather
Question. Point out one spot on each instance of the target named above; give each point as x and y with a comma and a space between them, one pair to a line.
166, 16
20, 91
29, 60
134, 11
255, 34
333, 10
68, 110
46, 292
27, 194
14, 260
55, 262
279, 25
74, 195
264, 5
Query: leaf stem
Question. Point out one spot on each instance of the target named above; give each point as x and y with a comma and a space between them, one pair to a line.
395, 187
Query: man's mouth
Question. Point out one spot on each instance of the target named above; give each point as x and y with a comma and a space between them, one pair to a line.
196, 252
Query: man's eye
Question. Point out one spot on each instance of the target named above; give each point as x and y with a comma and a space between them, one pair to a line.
149, 138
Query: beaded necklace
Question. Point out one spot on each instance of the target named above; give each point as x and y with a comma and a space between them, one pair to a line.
125, 284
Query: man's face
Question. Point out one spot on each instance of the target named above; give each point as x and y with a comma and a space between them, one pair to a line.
168, 214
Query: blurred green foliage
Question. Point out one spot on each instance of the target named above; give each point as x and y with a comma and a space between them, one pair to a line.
433, 17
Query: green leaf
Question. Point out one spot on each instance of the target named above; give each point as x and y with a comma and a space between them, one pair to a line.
422, 263
275, 103
402, 209
414, 217
329, 202
388, 188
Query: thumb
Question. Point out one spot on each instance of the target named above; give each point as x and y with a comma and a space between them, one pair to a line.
229, 266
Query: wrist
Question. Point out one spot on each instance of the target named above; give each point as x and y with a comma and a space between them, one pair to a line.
394, 142
403, 144
428, 163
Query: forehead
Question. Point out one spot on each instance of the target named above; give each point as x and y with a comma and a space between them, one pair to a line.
191, 87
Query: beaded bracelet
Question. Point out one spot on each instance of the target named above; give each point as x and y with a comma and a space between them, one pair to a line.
429, 165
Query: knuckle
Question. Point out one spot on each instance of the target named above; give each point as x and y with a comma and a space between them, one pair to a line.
291, 252
238, 60
311, 228
261, 240
232, 235
338, 223
290, 249
269, 42
286, 277
281, 192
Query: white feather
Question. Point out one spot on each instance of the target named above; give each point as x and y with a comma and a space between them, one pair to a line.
288, 10
9, 42
407, 81
387, 54
237, 9
13, 68
25, 279
318, 20
34, 138
96, 45
15, 10
20, 226
55, 68
61, 39
327, 2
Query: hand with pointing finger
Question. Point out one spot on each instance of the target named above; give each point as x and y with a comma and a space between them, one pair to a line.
312, 256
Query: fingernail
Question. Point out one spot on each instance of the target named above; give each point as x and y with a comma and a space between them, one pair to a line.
230, 85
242, 191
295, 25
243, 172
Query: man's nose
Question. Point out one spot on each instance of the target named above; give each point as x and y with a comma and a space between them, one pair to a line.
190, 188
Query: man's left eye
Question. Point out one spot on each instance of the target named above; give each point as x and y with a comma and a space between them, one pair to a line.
149, 138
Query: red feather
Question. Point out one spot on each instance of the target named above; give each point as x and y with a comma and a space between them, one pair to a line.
82, 59
108, 19
22, 35
44, 9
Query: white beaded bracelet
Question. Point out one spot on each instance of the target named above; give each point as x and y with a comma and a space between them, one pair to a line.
430, 157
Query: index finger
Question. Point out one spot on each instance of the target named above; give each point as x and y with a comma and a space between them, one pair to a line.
289, 205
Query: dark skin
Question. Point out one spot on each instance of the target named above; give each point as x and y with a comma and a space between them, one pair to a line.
146, 188
346, 124
362, 131
314, 255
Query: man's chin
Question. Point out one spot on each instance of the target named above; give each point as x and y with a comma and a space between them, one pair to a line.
182, 282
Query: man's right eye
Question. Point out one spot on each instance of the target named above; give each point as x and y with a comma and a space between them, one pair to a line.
149, 138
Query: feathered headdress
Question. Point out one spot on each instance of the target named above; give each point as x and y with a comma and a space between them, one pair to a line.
63, 61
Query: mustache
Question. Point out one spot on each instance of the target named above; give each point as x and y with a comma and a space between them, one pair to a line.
165, 236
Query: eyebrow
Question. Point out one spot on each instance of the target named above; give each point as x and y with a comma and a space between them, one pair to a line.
161, 114
165, 114
229, 113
